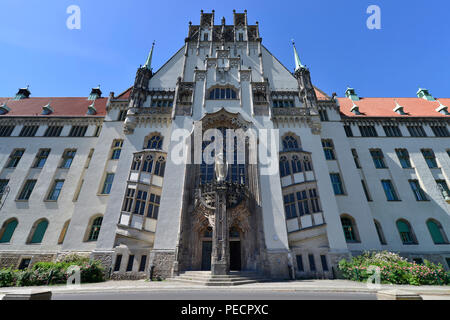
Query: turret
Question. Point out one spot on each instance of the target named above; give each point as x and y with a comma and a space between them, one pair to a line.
307, 95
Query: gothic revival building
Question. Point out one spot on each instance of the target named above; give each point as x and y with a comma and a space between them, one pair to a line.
124, 179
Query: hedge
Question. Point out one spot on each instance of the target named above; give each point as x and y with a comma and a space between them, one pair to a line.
50, 273
393, 269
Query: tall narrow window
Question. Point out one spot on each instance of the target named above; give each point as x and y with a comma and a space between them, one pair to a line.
428, 154
296, 164
442, 185
299, 263
312, 263
417, 190
160, 167
129, 197
117, 149
39, 232
437, 232
62, 235
349, 230
95, 229
153, 206
289, 206
130, 263
7, 230
3, 184
67, 159
27, 190
405, 232
143, 263
323, 259
378, 158
379, 232
284, 167
348, 131
15, 157
337, 183
107, 184
356, 159
389, 190
118, 262
56, 190
141, 198
302, 200
41, 158
403, 157
328, 149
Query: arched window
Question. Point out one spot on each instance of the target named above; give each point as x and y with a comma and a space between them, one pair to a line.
405, 232
160, 166
7, 230
437, 232
95, 229
38, 231
155, 142
62, 235
208, 233
284, 167
290, 143
148, 164
296, 164
307, 163
380, 232
222, 94
234, 232
349, 228
136, 163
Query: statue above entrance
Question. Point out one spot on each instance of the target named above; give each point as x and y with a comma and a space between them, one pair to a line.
221, 168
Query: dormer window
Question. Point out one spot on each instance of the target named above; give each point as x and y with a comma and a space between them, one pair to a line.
222, 94
95, 93
441, 109
399, 109
91, 110
355, 110
23, 93
4, 109
47, 109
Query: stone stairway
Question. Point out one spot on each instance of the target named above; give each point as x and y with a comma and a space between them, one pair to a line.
205, 278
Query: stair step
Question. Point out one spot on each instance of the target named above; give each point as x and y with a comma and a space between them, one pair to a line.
207, 279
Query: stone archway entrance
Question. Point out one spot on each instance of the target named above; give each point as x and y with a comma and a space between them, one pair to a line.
206, 255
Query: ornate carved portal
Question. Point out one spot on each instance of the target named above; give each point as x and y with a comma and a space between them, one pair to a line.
222, 223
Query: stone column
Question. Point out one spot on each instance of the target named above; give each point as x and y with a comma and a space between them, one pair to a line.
220, 259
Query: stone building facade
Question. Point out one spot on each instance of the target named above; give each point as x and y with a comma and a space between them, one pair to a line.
124, 179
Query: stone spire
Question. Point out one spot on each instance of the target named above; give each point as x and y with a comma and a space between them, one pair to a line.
298, 63
148, 63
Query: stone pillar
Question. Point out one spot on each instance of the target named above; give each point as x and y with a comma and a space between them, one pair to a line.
220, 259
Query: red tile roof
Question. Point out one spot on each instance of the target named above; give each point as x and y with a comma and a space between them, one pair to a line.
62, 107
383, 107
125, 94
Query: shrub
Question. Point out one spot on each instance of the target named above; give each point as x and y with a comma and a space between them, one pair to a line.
47, 273
393, 269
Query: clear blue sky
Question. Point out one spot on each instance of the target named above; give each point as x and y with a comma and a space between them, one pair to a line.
412, 49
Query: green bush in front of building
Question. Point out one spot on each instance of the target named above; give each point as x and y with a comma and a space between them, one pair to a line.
393, 269
50, 273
